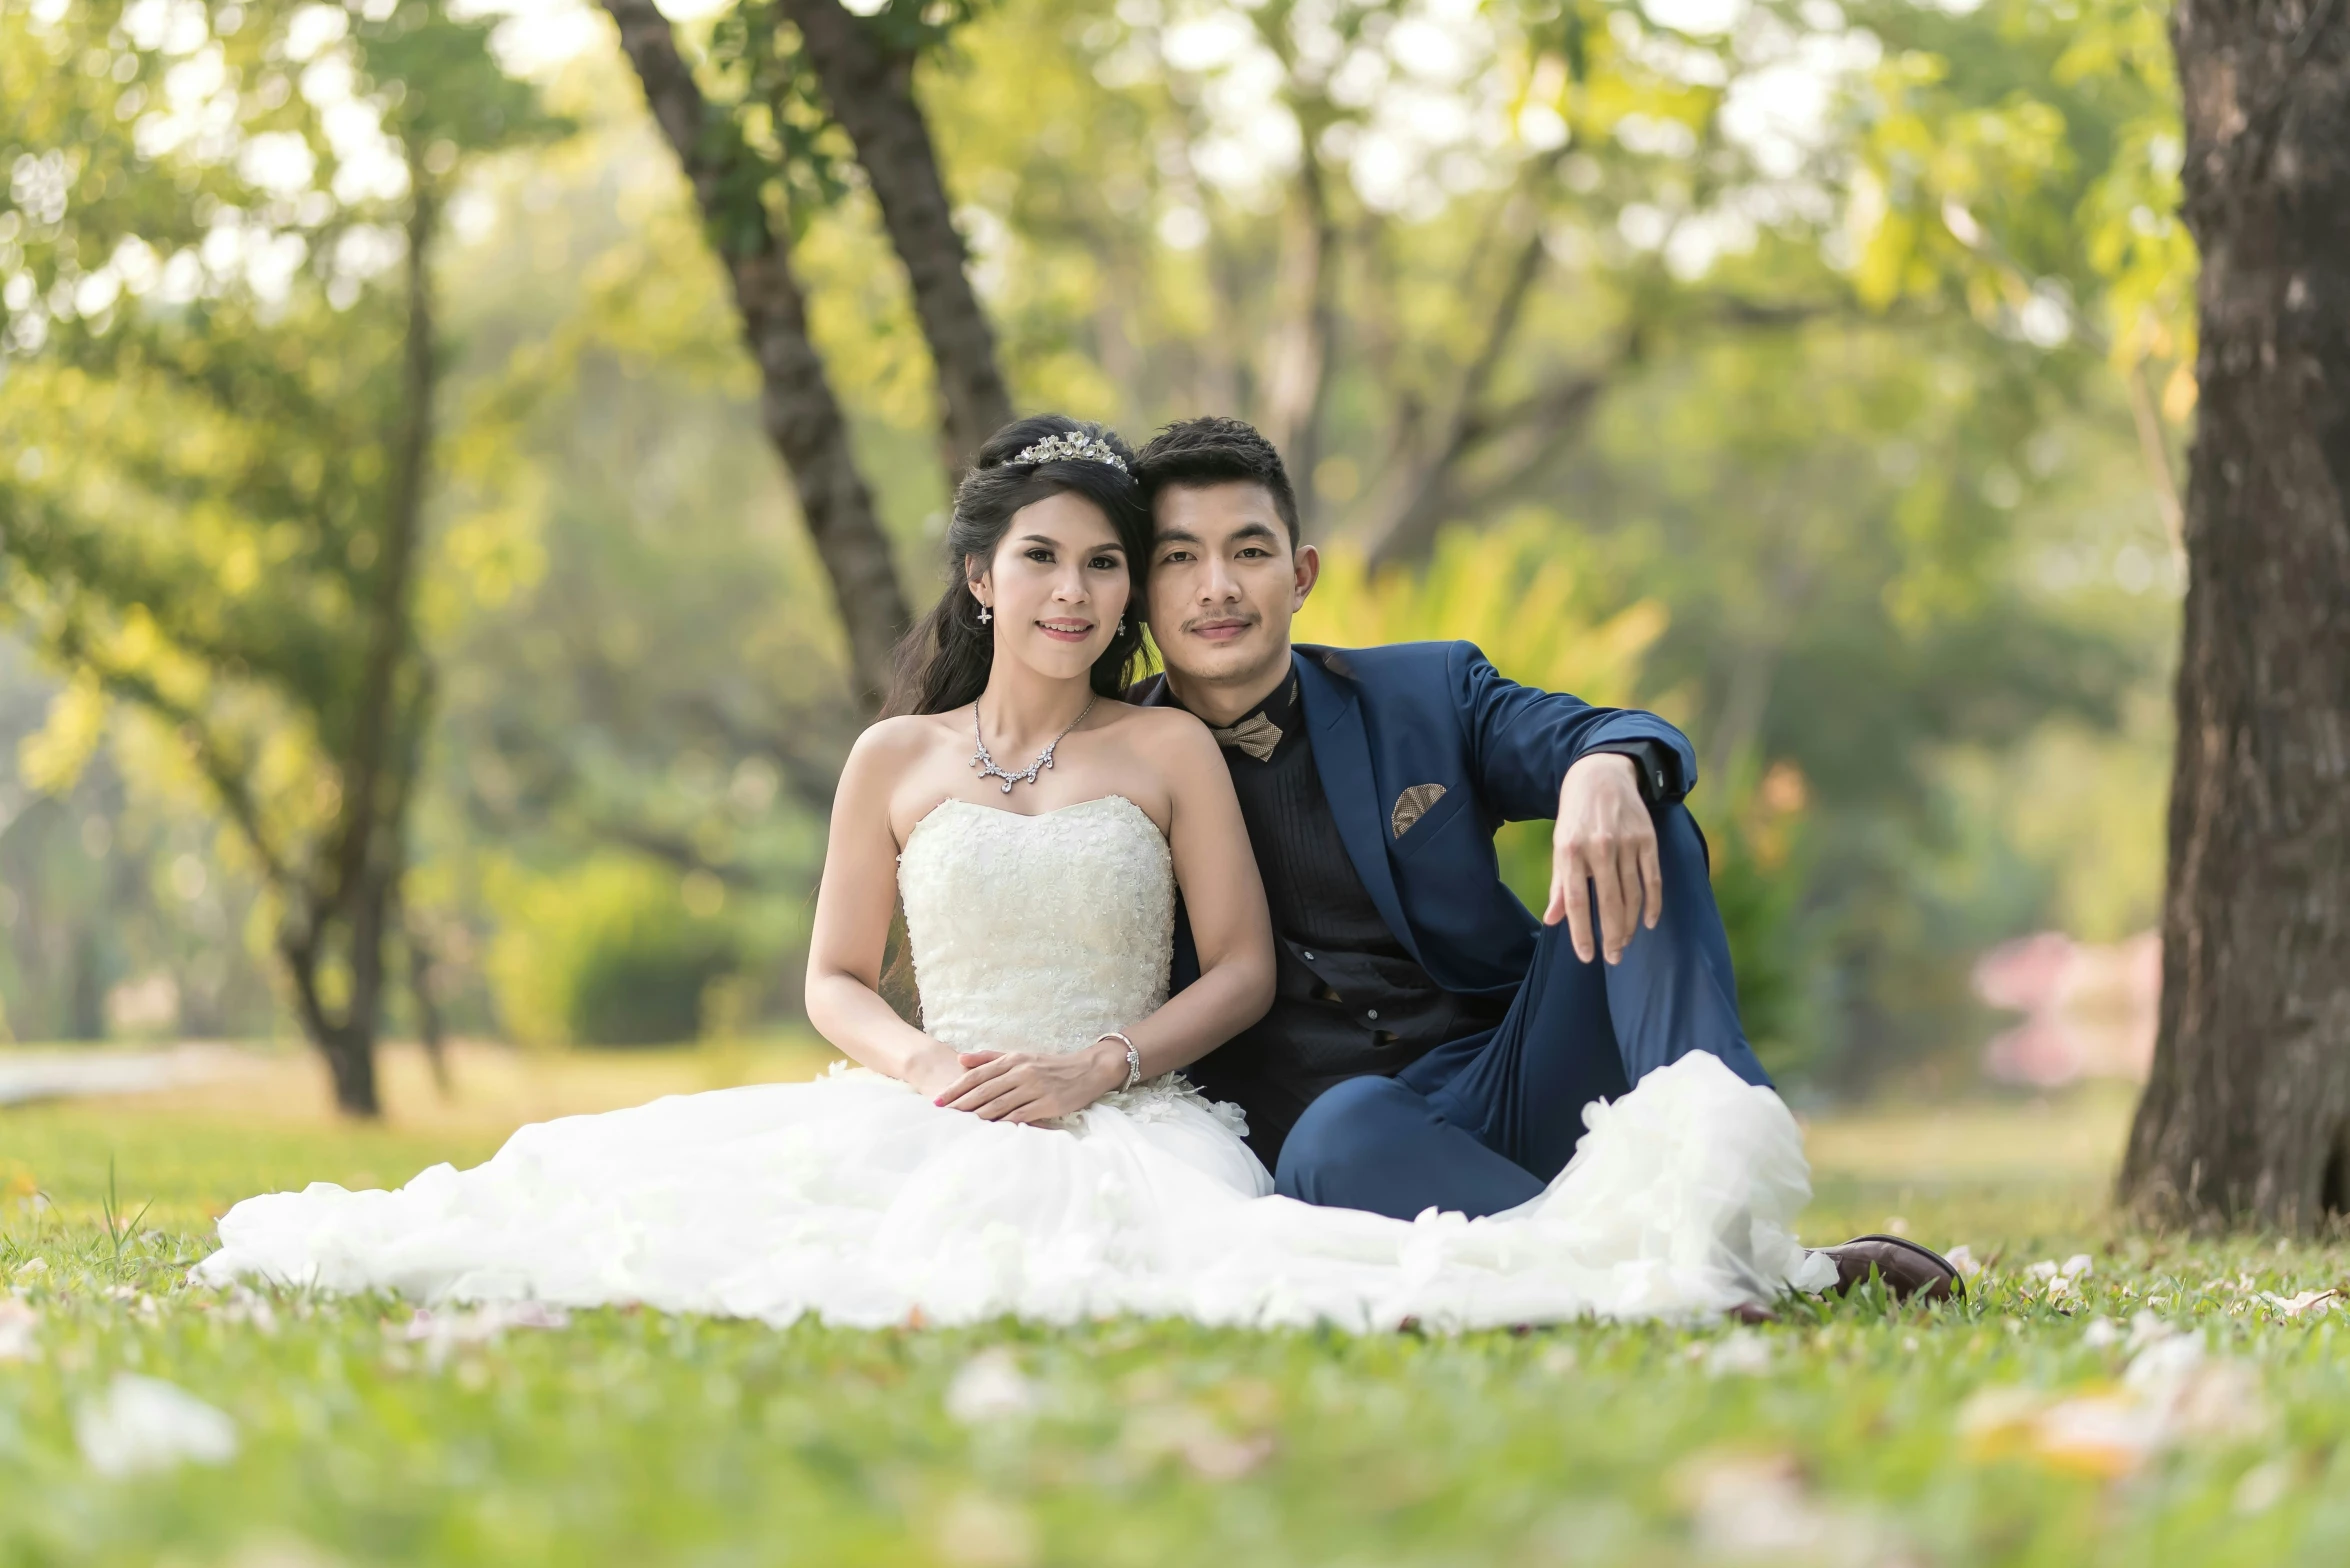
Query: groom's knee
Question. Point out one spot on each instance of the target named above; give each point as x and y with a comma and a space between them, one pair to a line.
1676, 990
1351, 1131
1681, 849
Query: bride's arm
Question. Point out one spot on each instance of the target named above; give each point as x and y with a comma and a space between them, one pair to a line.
854, 903
1225, 903
1224, 900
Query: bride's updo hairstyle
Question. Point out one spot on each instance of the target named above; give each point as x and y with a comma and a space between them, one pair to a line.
943, 662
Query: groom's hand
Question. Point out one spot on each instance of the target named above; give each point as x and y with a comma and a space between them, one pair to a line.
1604, 845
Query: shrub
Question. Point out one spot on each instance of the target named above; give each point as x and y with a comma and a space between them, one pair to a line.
617, 951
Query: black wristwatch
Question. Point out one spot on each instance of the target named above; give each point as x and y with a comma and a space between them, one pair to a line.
1655, 765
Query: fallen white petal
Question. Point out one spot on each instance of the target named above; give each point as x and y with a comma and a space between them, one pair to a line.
2145, 1329
2264, 1486
485, 1322
143, 1424
1745, 1507
2164, 1365
991, 1387
2108, 1433
1740, 1352
17, 1322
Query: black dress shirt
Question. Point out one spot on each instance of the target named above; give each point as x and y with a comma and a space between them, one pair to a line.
1349, 998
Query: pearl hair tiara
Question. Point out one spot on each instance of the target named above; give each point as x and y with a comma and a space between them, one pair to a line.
1071, 447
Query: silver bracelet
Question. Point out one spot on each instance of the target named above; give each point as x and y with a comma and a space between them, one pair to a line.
1133, 1058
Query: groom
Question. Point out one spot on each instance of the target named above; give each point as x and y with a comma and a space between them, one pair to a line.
1430, 1042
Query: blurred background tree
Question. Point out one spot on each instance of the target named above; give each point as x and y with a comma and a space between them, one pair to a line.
217, 511
1810, 373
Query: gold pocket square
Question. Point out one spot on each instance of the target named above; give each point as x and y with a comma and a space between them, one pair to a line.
1412, 805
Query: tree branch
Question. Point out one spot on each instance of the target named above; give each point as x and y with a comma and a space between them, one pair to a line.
810, 779
870, 89
1409, 531
220, 770
2154, 451
1512, 441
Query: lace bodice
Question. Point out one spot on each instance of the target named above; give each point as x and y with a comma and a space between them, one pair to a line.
1037, 933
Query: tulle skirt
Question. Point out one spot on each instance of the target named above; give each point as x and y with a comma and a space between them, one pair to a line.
855, 1199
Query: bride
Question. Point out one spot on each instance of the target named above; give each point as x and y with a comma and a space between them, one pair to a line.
1031, 1148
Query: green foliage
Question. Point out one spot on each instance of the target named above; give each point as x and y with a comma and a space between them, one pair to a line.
1756, 836
613, 951
2027, 151
205, 461
1512, 591
1857, 531
774, 111
771, 105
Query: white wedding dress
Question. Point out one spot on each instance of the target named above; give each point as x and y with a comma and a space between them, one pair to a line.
857, 1199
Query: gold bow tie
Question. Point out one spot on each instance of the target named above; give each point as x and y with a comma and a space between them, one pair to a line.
1255, 735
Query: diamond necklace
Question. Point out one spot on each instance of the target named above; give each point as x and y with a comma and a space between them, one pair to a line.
1044, 759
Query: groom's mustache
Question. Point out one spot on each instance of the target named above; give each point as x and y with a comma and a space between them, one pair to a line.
1225, 621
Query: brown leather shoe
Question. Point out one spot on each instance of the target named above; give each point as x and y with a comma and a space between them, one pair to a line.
1907, 1268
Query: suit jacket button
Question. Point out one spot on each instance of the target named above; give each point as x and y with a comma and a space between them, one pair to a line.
1308, 957
1372, 1014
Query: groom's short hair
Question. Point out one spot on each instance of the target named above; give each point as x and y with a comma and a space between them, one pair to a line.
1214, 450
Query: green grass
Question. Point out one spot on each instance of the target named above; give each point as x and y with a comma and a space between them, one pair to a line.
636, 1438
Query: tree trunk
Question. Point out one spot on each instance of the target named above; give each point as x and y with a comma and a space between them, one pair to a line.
2245, 1116
803, 418
350, 1066
870, 88
391, 637
347, 1043
431, 1032
359, 883
1297, 361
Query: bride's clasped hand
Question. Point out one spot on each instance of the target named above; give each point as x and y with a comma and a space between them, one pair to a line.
1026, 1086
1224, 1010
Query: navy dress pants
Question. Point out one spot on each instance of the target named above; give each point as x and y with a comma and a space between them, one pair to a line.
1482, 1124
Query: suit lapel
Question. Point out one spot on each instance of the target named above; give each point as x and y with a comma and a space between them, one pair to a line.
1342, 756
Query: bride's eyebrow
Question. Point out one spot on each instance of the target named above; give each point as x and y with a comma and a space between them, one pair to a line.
1112, 547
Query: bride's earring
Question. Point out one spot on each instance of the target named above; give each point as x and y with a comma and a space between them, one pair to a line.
1121, 625
985, 615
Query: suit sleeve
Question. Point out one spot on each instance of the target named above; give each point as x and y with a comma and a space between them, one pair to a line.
1522, 741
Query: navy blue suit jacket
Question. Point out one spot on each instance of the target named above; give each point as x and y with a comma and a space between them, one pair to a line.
1382, 720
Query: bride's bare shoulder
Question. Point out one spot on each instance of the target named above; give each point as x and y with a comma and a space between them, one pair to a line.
1168, 735
890, 746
